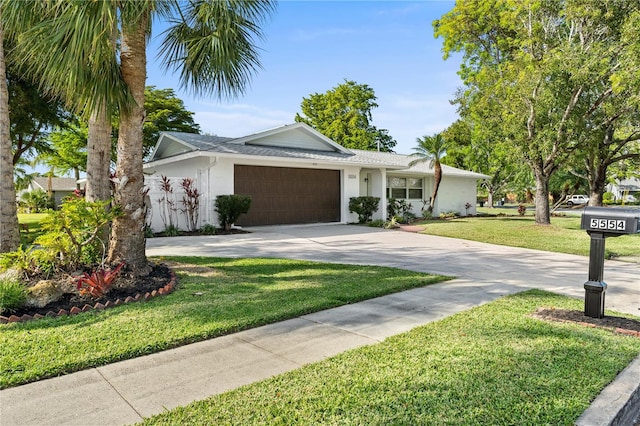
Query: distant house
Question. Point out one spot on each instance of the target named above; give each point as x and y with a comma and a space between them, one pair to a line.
625, 187
294, 174
59, 187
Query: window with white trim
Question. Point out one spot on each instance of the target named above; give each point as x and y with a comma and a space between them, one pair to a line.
404, 188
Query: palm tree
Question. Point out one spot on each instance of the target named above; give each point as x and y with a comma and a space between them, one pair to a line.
431, 149
209, 42
9, 232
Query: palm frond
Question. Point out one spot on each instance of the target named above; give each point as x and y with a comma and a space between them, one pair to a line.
70, 48
429, 149
212, 45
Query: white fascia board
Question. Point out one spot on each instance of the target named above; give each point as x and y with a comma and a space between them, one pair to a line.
175, 158
454, 173
297, 161
171, 139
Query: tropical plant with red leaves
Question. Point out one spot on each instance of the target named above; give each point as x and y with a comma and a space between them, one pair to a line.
99, 282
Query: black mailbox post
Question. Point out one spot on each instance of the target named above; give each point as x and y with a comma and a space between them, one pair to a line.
600, 223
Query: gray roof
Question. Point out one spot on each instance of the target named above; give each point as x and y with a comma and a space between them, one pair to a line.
225, 145
201, 142
399, 162
57, 184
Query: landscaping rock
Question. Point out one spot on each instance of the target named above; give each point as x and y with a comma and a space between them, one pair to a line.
43, 293
10, 275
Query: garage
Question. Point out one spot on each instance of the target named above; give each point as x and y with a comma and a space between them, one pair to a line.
286, 195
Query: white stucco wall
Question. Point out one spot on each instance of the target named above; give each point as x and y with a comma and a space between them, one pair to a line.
454, 193
215, 176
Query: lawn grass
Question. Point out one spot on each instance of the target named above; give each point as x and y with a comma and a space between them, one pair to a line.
562, 236
214, 297
33, 223
493, 364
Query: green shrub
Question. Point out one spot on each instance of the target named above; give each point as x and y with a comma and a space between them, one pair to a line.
208, 229
12, 295
72, 235
171, 231
378, 223
230, 207
401, 210
36, 201
148, 232
449, 215
364, 206
607, 197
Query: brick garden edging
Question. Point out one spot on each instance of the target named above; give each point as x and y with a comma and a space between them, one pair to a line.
166, 289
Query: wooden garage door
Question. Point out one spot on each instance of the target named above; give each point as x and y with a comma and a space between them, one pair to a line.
282, 195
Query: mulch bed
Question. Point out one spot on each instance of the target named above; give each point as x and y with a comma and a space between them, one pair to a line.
161, 280
616, 324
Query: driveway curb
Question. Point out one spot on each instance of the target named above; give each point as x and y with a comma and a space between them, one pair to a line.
619, 403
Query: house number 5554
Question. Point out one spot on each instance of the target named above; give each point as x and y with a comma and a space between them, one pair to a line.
608, 224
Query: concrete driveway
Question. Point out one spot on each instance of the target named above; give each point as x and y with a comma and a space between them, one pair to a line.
511, 269
127, 391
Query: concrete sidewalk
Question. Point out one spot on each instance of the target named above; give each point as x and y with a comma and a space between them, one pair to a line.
127, 391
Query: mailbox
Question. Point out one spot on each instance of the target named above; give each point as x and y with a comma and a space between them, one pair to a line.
601, 223
611, 220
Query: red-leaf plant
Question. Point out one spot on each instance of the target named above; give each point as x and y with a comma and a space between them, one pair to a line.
99, 282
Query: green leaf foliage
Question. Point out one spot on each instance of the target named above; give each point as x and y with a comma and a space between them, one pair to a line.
343, 114
364, 206
12, 295
72, 234
164, 112
230, 207
552, 80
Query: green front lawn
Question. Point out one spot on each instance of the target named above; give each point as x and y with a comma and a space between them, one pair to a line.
563, 235
494, 364
214, 297
32, 226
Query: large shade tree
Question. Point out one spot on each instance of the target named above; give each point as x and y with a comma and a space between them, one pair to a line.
543, 71
344, 114
164, 112
210, 44
69, 150
474, 146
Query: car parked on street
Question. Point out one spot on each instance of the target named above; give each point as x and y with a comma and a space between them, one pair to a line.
575, 200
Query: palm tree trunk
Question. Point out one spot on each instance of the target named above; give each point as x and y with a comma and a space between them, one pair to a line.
9, 232
98, 155
438, 178
127, 234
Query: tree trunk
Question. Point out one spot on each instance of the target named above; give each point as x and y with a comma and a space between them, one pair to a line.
127, 234
597, 184
438, 178
9, 231
490, 199
99, 155
543, 216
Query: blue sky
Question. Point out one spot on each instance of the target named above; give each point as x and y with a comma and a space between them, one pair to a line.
312, 46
